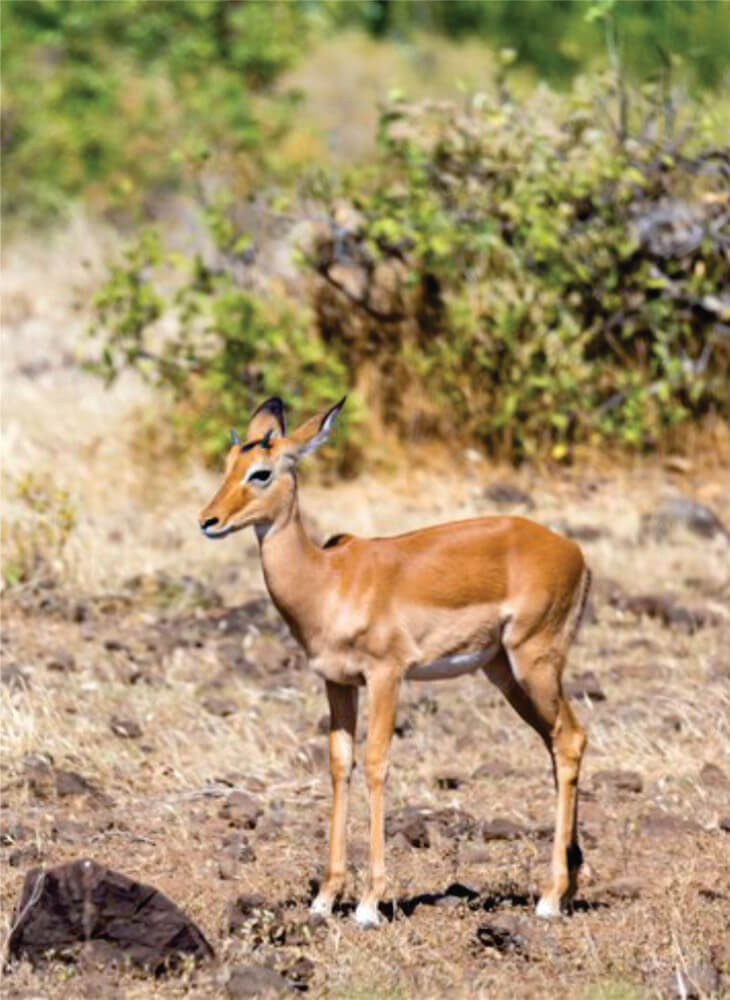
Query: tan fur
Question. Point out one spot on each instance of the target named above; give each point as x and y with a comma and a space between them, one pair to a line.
368, 611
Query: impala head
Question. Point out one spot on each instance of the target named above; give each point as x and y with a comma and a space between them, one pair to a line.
259, 483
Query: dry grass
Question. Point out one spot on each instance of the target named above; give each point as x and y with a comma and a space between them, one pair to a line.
666, 714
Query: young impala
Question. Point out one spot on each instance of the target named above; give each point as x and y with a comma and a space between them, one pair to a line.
498, 594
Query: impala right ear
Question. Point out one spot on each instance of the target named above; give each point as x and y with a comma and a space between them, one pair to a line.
315, 431
267, 418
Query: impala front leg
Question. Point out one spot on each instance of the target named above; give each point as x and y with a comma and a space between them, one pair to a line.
343, 720
382, 698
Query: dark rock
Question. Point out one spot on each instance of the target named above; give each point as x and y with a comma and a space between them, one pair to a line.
222, 707
680, 511
244, 909
658, 823
62, 661
502, 829
72, 783
412, 826
495, 769
713, 776
585, 685
127, 729
507, 494
724, 824
71, 831
301, 972
241, 810
63, 907
255, 981
621, 781
21, 856
621, 889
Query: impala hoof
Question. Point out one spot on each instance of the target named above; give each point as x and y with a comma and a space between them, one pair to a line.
367, 916
548, 909
321, 906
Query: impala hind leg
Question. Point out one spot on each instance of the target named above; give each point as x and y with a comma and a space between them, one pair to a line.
382, 698
343, 721
530, 680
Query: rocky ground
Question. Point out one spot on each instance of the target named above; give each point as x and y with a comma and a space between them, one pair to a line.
180, 740
157, 718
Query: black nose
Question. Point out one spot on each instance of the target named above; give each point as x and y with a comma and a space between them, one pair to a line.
208, 523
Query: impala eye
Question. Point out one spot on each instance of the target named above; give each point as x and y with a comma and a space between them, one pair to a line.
259, 476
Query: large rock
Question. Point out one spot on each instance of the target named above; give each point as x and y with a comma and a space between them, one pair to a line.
81, 904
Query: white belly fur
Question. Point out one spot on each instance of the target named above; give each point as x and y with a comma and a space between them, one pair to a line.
447, 667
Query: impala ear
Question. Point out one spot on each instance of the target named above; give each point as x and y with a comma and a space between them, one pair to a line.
267, 419
315, 431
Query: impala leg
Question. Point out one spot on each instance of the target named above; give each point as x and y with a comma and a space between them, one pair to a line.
533, 689
343, 720
382, 698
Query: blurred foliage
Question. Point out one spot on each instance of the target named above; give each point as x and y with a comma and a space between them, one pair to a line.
228, 349
119, 100
546, 274
33, 545
559, 38
531, 276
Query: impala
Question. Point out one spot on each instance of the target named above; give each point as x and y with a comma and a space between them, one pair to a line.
498, 594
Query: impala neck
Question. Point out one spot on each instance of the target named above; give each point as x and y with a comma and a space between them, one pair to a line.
294, 569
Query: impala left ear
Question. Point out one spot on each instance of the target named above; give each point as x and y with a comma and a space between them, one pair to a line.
268, 417
315, 431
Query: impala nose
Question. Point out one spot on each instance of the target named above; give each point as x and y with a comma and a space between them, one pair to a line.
208, 523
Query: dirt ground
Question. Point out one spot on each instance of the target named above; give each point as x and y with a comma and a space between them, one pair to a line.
149, 666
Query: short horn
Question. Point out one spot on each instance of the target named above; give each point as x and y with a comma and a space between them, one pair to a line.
235, 439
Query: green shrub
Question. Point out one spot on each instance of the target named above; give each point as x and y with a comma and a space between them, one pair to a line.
533, 277
543, 274
228, 348
116, 101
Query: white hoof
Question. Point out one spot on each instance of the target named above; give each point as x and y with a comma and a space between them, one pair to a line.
367, 916
321, 906
547, 909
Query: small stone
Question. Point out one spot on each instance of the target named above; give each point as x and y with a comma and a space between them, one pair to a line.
254, 981
620, 781
71, 783
127, 729
622, 889
658, 823
241, 810
724, 824
507, 494
222, 707
62, 661
502, 829
713, 776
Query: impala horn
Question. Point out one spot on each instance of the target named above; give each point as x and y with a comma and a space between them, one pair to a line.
235, 439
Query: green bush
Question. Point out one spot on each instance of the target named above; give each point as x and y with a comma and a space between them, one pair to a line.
543, 274
117, 101
532, 277
228, 348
